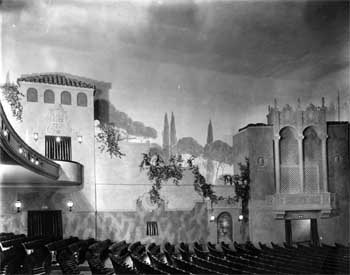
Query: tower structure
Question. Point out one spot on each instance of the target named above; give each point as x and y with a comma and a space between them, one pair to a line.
300, 146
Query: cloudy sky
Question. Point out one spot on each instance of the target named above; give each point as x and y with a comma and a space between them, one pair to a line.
219, 60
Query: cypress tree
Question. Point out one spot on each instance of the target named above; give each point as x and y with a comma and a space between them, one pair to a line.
173, 139
210, 137
210, 164
166, 137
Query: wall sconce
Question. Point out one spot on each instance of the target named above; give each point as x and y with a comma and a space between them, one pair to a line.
5, 132
36, 137
70, 205
37, 162
20, 150
18, 205
240, 218
80, 139
212, 218
58, 139
32, 159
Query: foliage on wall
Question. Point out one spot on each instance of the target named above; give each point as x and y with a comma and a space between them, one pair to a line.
109, 138
13, 97
241, 183
158, 171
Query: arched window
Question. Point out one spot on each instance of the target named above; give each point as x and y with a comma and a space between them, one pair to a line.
66, 98
81, 99
32, 95
49, 96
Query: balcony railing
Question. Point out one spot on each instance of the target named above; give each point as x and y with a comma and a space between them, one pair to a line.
23, 154
324, 202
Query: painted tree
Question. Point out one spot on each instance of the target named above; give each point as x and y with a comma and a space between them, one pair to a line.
166, 137
218, 151
210, 137
210, 165
173, 139
188, 145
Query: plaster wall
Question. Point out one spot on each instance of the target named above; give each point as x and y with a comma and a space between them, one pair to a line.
263, 227
240, 145
261, 161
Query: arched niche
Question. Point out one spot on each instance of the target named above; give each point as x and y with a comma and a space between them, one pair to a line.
66, 98
32, 95
82, 99
289, 161
312, 156
49, 96
224, 227
288, 146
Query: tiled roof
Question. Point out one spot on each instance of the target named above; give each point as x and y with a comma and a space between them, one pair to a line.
56, 79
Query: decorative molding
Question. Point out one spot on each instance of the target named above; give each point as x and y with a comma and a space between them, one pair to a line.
322, 202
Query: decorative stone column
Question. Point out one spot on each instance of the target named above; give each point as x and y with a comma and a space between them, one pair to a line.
301, 162
324, 162
276, 142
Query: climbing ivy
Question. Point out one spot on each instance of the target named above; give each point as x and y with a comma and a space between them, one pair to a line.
109, 138
13, 97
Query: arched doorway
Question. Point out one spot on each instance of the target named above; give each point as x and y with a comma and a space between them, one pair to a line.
224, 227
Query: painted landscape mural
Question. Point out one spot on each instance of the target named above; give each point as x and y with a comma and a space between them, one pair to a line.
214, 157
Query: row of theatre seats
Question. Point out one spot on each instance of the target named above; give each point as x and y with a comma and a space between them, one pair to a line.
34, 255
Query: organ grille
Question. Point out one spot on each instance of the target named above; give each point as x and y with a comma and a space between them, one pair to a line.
58, 150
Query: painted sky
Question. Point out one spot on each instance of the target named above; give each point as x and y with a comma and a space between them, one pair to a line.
219, 60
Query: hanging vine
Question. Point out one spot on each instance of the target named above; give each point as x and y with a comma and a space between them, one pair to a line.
159, 171
241, 183
109, 138
13, 97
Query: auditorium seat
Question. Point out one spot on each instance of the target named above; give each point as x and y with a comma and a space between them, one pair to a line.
96, 255
22, 255
38, 257
79, 249
185, 251
161, 265
192, 268
144, 268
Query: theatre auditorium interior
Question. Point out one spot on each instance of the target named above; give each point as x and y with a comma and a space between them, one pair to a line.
203, 138
68, 204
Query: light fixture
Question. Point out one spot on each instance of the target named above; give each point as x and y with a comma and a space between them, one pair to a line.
5, 132
58, 139
36, 162
18, 205
32, 159
70, 205
240, 217
36, 137
20, 150
80, 139
212, 218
